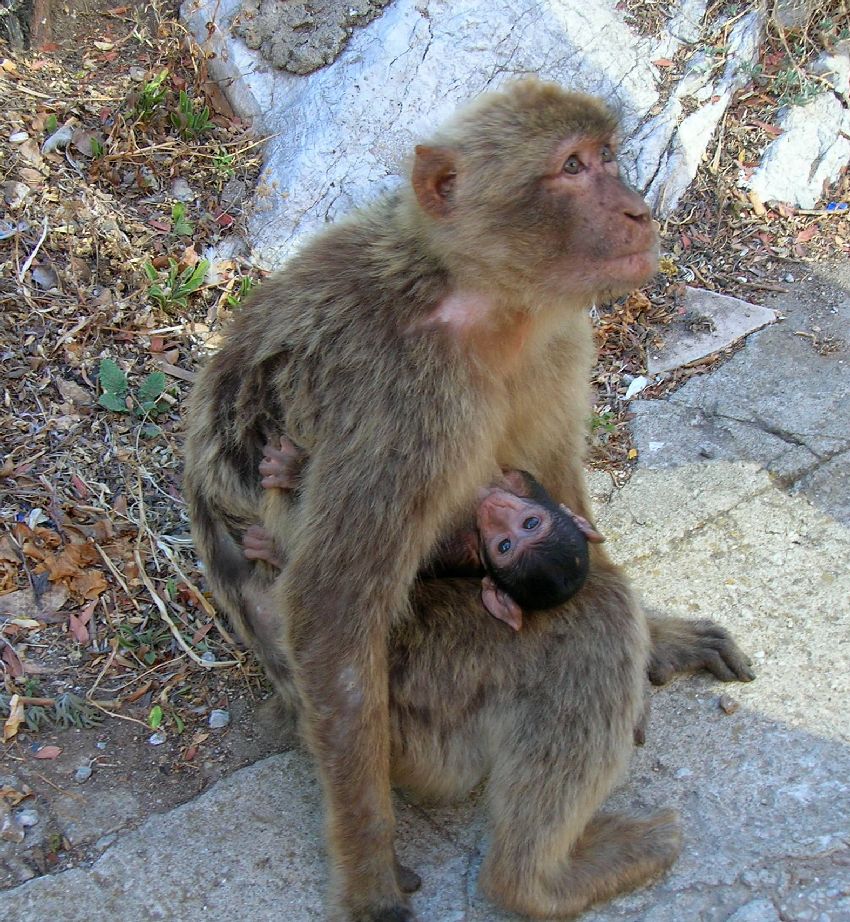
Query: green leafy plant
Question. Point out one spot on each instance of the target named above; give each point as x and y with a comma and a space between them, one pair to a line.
603, 422
223, 163
97, 149
246, 286
181, 226
190, 121
51, 123
145, 400
174, 290
152, 96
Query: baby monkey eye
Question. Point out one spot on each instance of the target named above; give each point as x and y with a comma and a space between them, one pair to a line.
504, 546
531, 523
607, 154
573, 165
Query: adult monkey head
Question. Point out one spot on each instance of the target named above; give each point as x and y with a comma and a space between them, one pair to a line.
540, 169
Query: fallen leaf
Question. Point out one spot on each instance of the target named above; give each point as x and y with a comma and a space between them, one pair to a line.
663, 62
224, 220
47, 752
13, 796
90, 584
756, 202
12, 662
164, 226
22, 603
773, 130
806, 234
77, 624
15, 718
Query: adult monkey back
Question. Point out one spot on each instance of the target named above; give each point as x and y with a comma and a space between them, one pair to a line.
411, 349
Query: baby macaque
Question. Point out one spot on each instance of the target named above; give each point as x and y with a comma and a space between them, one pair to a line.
531, 552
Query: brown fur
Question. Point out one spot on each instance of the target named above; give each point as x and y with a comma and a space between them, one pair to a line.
411, 350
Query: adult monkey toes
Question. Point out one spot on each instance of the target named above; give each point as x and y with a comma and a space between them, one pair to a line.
412, 350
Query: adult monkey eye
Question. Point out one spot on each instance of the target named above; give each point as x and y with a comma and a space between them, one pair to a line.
531, 523
504, 546
573, 165
607, 154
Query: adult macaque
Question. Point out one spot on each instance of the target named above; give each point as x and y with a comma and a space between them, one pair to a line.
412, 350
531, 552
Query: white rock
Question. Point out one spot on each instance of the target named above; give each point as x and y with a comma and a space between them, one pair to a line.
636, 386
756, 911
219, 719
814, 146
344, 131
727, 320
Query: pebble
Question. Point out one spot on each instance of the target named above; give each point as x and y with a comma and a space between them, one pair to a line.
11, 829
14, 193
18, 137
208, 656
100, 745
45, 277
27, 817
158, 738
181, 190
138, 74
789, 277
60, 138
683, 773
82, 774
728, 704
219, 719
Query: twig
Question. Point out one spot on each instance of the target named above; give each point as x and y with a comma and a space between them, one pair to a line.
163, 611
34, 253
61, 790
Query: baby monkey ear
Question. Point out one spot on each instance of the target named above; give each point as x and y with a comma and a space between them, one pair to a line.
592, 535
499, 604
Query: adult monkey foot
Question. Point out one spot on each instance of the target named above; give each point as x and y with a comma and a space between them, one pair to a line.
680, 645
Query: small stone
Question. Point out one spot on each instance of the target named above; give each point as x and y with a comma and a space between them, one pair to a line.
27, 817
45, 277
100, 745
683, 773
219, 719
82, 774
789, 277
706, 451
208, 656
181, 190
11, 829
137, 74
14, 193
158, 738
728, 704
60, 138
18, 137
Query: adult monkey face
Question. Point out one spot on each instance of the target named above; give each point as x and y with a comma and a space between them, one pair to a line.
548, 171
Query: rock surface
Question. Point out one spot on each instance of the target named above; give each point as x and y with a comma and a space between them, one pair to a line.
710, 323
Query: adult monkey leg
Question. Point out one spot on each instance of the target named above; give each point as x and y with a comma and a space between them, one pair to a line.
401, 348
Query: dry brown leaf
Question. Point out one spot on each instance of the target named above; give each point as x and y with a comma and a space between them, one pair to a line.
48, 752
12, 662
15, 718
90, 585
13, 796
78, 623
22, 603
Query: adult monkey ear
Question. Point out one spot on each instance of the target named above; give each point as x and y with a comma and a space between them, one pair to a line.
499, 604
434, 174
